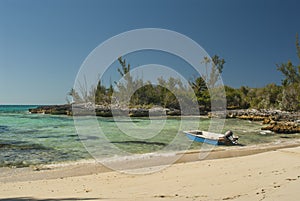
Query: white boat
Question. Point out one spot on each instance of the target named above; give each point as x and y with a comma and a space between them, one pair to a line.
212, 138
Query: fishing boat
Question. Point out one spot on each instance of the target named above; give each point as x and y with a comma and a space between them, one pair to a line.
212, 138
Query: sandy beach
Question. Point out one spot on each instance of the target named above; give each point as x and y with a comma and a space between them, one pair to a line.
270, 173
149, 100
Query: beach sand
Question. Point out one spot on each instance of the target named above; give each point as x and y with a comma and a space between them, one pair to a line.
269, 174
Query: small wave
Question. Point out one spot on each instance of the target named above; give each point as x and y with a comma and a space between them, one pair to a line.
70, 163
134, 157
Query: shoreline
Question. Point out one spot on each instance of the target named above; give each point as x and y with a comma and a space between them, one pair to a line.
273, 120
148, 163
269, 176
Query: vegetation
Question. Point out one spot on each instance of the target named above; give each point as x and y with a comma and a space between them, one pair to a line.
138, 93
272, 96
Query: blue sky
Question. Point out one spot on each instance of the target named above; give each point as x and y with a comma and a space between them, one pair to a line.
43, 43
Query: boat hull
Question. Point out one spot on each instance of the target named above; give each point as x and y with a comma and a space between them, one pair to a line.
202, 139
209, 138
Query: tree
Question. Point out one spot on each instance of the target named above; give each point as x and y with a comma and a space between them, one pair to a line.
292, 75
298, 48
201, 91
126, 86
213, 75
218, 63
233, 97
75, 96
290, 71
198, 86
291, 98
206, 85
291, 83
100, 93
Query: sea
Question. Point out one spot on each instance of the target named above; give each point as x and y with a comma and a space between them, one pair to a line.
32, 139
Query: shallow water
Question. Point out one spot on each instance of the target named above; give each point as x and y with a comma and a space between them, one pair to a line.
29, 139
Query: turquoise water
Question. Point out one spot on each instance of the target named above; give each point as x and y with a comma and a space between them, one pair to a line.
34, 139
29, 139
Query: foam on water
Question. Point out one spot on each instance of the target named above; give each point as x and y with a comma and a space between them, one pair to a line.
135, 157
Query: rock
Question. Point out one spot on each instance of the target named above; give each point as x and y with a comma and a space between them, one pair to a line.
263, 115
138, 112
252, 117
173, 112
53, 109
157, 111
283, 127
266, 121
104, 113
218, 114
274, 118
278, 121
269, 127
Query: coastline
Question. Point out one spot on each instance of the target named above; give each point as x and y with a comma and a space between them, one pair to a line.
252, 172
37, 139
91, 166
273, 120
270, 173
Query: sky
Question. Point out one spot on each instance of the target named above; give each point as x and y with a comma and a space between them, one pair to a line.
43, 43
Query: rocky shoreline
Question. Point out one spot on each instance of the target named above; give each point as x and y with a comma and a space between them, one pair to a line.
102, 111
274, 120
53, 109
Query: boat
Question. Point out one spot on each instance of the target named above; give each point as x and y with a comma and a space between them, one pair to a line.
212, 138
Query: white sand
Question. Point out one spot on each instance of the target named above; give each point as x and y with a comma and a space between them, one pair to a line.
269, 176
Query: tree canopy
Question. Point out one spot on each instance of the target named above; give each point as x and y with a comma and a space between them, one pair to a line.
166, 93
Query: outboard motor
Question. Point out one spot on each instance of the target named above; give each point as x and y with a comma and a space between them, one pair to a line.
229, 135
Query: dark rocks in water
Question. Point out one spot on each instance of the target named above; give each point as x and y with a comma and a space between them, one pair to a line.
52, 109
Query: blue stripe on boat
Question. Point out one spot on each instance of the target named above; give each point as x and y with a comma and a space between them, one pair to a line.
201, 139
